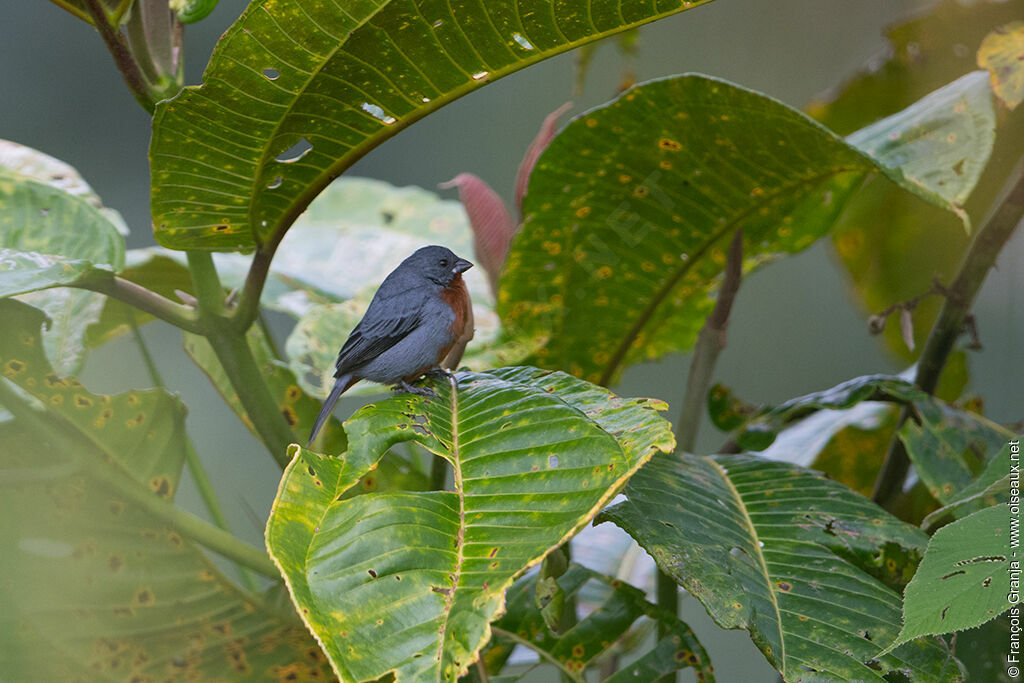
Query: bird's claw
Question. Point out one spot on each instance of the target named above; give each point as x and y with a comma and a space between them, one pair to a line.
405, 387
438, 373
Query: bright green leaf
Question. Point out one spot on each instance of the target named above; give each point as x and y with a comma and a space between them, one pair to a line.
93, 584
803, 563
296, 92
964, 578
408, 582
621, 609
670, 171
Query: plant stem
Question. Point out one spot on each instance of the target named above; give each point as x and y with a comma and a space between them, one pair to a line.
145, 300
54, 427
195, 465
249, 298
529, 644
123, 57
710, 342
980, 257
231, 347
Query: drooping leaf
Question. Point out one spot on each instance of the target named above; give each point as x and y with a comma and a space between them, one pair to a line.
987, 489
408, 582
296, 92
964, 578
760, 432
892, 245
493, 226
670, 171
93, 584
1002, 53
621, 608
948, 446
803, 563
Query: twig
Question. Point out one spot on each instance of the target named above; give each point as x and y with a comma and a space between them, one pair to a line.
123, 57
980, 258
710, 342
249, 298
145, 300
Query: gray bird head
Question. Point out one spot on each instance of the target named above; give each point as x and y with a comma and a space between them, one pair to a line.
437, 264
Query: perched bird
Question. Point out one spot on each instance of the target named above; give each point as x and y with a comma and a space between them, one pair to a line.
418, 313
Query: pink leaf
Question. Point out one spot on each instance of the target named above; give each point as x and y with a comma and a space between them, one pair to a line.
533, 152
493, 227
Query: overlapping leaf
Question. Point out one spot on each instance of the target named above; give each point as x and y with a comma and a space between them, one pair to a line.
803, 563
1002, 53
987, 489
631, 208
593, 637
52, 236
964, 578
93, 584
408, 583
298, 90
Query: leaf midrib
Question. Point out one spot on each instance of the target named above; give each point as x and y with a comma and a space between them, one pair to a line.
760, 557
659, 297
460, 539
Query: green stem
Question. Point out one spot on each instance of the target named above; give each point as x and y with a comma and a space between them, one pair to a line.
249, 298
145, 300
980, 257
231, 347
195, 465
55, 428
123, 57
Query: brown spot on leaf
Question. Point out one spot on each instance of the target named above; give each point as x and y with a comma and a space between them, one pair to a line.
161, 486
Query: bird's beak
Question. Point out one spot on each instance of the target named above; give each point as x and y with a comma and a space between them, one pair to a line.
461, 266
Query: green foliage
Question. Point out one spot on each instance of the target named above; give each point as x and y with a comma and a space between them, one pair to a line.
535, 455
964, 578
621, 609
226, 170
96, 581
808, 567
670, 171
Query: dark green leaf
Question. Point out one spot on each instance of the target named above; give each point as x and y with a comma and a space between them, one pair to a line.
408, 582
948, 446
986, 490
670, 171
803, 563
964, 578
622, 608
94, 585
296, 92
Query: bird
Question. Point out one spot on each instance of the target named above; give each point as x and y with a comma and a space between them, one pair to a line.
415, 318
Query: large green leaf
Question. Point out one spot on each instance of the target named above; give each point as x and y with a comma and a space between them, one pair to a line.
408, 582
94, 585
987, 489
892, 245
803, 563
620, 609
53, 234
964, 578
631, 208
228, 165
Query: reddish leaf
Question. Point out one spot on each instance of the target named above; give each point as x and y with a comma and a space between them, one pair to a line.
533, 152
492, 224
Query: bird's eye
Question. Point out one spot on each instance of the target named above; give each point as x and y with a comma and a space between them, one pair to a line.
444, 263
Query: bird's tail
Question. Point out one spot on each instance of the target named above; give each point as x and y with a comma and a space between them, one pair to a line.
340, 385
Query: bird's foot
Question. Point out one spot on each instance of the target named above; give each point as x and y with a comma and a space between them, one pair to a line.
438, 373
405, 387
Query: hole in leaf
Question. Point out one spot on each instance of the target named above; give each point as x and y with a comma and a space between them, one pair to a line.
271, 74
371, 573
553, 461
275, 183
295, 152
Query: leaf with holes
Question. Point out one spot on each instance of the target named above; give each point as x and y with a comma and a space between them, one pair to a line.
810, 568
963, 579
631, 208
409, 582
296, 92
621, 608
93, 583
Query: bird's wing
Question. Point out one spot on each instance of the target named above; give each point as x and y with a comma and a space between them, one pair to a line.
387, 321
